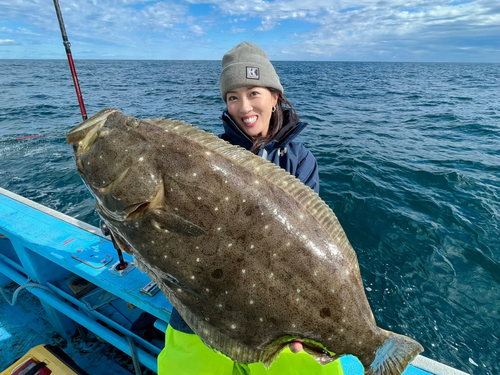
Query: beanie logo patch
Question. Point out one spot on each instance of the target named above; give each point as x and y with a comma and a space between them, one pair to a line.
253, 73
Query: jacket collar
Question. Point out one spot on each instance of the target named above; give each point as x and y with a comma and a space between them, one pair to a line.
291, 128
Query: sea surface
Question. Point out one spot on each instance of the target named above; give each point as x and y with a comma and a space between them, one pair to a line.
409, 161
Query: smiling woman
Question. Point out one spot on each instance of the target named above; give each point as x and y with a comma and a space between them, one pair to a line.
256, 120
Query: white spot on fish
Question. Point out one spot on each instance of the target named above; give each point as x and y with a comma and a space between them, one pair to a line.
243, 271
192, 277
208, 153
347, 272
298, 290
261, 319
293, 325
208, 290
254, 285
298, 299
219, 228
194, 174
229, 245
288, 244
152, 242
301, 216
126, 150
343, 320
165, 256
233, 326
251, 302
199, 198
275, 255
257, 182
207, 319
315, 273
190, 155
179, 290
329, 339
176, 209
88, 163
197, 259
196, 247
271, 275
100, 156
360, 343
226, 292
252, 247
341, 330
219, 305
177, 175
266, 227
227, 198
216, 209
343, 307
332, 290
244, 200
141, 159
162, 145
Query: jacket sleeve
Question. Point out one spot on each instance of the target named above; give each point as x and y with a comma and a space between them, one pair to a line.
307, 169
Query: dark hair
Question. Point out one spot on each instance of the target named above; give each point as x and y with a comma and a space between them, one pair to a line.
275, 123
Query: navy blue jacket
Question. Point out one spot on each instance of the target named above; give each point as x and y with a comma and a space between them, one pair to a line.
291, 156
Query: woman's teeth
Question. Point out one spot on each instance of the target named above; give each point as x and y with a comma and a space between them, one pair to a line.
250, 120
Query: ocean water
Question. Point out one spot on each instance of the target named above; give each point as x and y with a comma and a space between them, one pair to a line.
409, 162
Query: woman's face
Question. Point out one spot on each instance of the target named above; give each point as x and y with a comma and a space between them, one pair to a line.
251, 109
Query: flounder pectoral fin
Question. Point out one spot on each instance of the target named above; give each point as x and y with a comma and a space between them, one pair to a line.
164, 220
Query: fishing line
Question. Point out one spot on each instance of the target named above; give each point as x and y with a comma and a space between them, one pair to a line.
98, 82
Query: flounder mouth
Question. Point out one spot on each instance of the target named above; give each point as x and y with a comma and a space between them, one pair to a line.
82, 136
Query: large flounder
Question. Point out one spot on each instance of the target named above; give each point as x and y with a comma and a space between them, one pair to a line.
251, 257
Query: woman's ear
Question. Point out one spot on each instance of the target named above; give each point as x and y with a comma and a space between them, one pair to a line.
275, 98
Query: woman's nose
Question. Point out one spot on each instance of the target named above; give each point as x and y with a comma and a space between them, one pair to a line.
245, 106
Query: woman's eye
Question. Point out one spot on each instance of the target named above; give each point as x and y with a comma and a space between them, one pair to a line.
231, 98
255, 93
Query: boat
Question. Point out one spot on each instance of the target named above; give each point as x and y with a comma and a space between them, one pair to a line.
73, 269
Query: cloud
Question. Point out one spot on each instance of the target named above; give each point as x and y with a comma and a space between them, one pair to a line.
8, 42
235, 30
320, 29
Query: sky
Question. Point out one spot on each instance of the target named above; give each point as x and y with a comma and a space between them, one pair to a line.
294, 30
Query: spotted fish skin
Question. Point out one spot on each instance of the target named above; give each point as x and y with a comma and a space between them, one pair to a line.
249, 255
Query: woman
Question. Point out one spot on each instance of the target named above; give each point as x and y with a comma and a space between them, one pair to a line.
256, 120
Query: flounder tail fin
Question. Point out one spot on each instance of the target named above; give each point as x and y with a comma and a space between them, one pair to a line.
394, 355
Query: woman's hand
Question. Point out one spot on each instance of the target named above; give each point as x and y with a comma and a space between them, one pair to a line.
296, 346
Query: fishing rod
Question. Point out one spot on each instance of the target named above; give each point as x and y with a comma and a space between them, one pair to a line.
67, 45
121, 264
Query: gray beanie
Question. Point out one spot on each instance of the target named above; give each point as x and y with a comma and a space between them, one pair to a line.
247, 65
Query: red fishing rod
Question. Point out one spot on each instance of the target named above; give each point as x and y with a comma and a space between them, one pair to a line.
67, 45
122, 264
